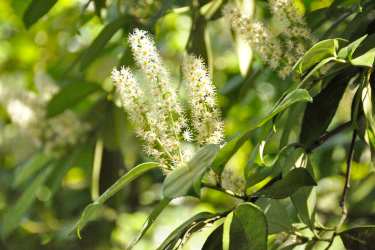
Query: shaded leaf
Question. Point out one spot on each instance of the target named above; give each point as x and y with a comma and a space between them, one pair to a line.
214, 240
102, 39
69, 96
89, 213
304, 200
276, 214
14, 214
182, 179
36, 10
248, 228
230, 148
319, 113
359, 238
288, 185
29, 168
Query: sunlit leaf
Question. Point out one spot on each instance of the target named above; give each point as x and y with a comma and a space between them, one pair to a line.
231, 147
182, 179
69, 96
365, 60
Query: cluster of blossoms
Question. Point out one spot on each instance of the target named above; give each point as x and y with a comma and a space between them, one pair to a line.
160, 120
27, 112
282, 50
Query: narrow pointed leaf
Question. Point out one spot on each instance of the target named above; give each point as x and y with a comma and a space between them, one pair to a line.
359, 238
36, 10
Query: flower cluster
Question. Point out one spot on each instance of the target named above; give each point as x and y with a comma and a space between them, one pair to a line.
26, 111
280, 51
160, 120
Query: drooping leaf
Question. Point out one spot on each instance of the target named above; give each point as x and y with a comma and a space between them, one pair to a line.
36, 10
14, 214
248, 228
276, 214
69, 96
304, 200
103, 38
288, 185
226, 152
173, 237
182, 179
90, 209
29, 168
365, 60
150, 220
359, 238
319, 113
318, 52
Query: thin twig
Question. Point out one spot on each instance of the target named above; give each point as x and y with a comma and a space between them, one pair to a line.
328, 135
347, 180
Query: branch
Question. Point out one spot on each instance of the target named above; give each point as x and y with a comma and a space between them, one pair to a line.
326, 136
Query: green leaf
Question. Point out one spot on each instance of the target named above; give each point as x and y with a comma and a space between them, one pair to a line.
226, 152
276, 214
288, 185
29, 168
359, 238
99, 5
214, 240
248, 228
14, 214
348, 51
181, 180
135, 172
316, 67
197, 40
173, 237
103, 38
89, 213
318, 52
319, 113
35, 10
304, 200
151, 218
365, 60
69, 96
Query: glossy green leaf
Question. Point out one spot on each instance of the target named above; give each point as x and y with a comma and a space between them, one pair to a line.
91, 209
69, 96
181, 180
359, 238
103, 38
318, 52
176, 234
348, 51
289, 184
248, 228
36, 10
231, 147
150, 220
29, 168
365, 60
14, 214
316, 67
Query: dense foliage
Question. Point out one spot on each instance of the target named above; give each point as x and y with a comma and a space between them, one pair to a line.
187, 124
